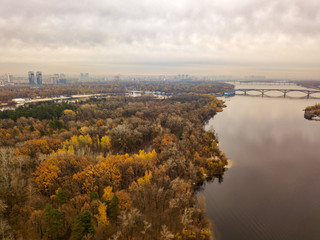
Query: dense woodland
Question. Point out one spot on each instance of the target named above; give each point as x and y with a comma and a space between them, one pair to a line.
7, 93
312, 112
109, 168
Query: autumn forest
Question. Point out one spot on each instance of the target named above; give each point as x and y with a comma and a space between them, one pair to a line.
114, 167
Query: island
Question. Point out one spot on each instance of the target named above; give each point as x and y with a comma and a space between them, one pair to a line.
312, 112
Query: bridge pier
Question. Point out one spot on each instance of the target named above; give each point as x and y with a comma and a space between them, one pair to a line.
284, 93
308, 94
262, 93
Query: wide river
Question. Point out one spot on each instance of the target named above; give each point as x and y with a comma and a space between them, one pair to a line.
272, 188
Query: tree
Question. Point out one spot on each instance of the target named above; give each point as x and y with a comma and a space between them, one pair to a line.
59, 170
125, 202
53, 222
100, 123
68, 114
146, 179
113, 209
94, 195
56, 124
105, 144
83, 225
36, 223
34, 146
102, 214
46, 175
4, 229
165, 233
4, 226
130, 221
60, 196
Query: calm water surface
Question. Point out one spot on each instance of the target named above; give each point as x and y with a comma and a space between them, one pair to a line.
272, 189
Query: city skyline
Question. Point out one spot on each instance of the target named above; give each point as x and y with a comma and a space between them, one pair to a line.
276, 39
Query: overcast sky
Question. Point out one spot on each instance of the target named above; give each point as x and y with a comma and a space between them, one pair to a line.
275, 38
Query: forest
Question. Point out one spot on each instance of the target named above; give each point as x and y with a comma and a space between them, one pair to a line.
7, 93
110, 168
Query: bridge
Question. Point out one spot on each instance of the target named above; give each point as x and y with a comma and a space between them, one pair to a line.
284, 91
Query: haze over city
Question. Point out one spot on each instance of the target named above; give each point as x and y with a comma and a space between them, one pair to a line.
276, 39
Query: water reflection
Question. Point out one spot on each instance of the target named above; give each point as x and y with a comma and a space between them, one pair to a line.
271, 191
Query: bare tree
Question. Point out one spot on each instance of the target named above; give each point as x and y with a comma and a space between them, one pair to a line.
165, 233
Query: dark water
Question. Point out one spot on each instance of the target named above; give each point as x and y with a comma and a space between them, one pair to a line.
272, 189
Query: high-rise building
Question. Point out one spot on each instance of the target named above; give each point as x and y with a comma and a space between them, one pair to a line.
39, 78
62, 79
10, 78
31, 78
54, 79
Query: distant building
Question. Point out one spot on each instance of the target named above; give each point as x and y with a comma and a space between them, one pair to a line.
54, 79
62, 79
184, 78
31, 78
39, 78
84, 76
117, 78
10, 78
58, 79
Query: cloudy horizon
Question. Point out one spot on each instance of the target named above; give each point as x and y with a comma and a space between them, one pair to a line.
276, 39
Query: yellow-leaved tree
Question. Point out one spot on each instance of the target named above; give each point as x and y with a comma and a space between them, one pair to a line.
107, 194
102, 214
105, 144
146, 179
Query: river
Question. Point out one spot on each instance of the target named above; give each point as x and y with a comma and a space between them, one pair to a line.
271, 190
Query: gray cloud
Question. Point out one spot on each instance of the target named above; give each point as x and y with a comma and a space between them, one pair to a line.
110, 22
160, 31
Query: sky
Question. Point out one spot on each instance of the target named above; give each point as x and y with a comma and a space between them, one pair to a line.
272, 38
